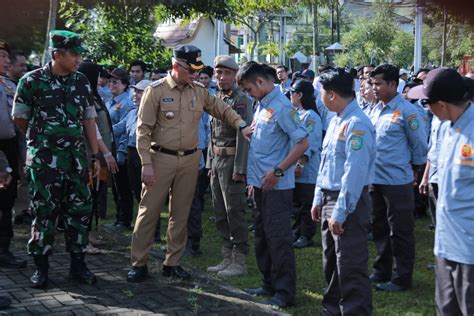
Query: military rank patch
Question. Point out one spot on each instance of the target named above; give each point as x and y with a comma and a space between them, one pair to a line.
413, 123
466, 151
357, 142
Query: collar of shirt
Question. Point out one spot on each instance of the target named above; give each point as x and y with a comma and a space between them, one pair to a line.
172, 83
121, 96
392, 104
349, 108
465, 119
266, 100
48, 69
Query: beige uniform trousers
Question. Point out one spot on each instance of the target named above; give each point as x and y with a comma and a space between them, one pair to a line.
176, 176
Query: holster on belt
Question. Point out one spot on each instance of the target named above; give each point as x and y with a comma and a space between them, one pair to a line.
224, 151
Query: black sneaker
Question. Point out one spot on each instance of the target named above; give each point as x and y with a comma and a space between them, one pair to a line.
177, 272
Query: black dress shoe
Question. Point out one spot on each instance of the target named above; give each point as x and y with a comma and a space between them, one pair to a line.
137, 274
8, 260
390, 287
258, 291
177, 272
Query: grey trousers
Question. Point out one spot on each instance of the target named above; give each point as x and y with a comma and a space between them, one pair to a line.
345, 259
454, 294
393, 228
274, 242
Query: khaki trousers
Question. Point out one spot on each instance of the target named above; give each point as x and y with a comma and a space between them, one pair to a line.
177, 177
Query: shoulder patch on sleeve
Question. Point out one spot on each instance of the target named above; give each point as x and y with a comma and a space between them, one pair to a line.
413, 123
357, 142
411, 116
310, 125
295, 116
358, 132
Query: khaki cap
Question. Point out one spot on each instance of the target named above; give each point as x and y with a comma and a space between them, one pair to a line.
225, 61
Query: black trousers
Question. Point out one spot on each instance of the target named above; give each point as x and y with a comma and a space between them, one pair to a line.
197, 207
345, 259
303, 195
8, 195
274, 242
454, 294
393, 228
123, 196
134, 168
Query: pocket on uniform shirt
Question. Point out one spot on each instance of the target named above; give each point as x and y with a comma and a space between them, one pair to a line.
195, 112
48, 107
169, 114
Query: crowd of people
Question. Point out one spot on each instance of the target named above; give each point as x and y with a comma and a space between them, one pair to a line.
363, 152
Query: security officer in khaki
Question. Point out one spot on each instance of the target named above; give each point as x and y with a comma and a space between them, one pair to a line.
168, 120
227, 159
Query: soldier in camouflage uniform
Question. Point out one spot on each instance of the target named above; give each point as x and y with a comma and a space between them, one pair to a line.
227, 159
55, 105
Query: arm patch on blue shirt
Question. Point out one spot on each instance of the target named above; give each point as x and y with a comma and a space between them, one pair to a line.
357, 142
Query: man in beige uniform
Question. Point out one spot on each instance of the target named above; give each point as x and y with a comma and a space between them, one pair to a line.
227, 159
167, 126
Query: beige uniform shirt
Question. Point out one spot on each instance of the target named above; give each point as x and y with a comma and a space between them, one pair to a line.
169, 116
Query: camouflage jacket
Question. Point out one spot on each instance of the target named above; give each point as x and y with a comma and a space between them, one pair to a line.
55, 108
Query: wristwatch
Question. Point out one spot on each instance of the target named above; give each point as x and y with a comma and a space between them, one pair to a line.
299, 165
242, 126
94, 156
278, 172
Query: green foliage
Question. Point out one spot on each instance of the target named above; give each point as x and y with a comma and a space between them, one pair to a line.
370, 40
402, 48
116, 34
270, 48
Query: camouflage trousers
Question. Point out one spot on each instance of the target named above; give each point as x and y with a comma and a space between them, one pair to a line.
58, 193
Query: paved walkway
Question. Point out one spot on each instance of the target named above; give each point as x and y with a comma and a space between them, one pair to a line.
112, 295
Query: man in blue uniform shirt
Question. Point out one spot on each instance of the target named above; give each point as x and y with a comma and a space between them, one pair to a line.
447, 95
342, 200
276, 125
401, 151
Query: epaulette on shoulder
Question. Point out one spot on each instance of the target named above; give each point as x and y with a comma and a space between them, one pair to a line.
197, 83
157, 82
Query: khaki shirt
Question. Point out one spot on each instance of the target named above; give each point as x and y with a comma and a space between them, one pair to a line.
169, 116
223, 135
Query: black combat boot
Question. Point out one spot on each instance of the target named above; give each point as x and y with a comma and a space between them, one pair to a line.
39, 279
8, 260
79, 271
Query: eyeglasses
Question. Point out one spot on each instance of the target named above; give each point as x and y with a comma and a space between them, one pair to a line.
114, 82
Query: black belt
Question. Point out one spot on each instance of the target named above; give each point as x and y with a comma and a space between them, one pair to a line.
174, 152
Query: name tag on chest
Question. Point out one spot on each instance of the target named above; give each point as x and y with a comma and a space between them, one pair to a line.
167, 100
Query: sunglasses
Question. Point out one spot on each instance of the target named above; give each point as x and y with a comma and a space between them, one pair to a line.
425, 102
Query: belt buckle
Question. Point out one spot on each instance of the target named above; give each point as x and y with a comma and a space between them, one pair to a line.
180, 152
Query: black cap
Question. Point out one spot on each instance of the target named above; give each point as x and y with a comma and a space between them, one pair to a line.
189, 54
302, 86
119, 73
441, 84
4, 45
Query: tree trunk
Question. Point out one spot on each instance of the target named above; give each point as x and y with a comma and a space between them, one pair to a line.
444, 37
53, 12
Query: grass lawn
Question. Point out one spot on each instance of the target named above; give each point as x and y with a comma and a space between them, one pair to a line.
310, 279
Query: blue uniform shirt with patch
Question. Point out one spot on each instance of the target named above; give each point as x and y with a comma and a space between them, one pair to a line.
401, 141
277, 126
313, 125
454, 236
204, 130
347, 160
118, 109
438, 129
